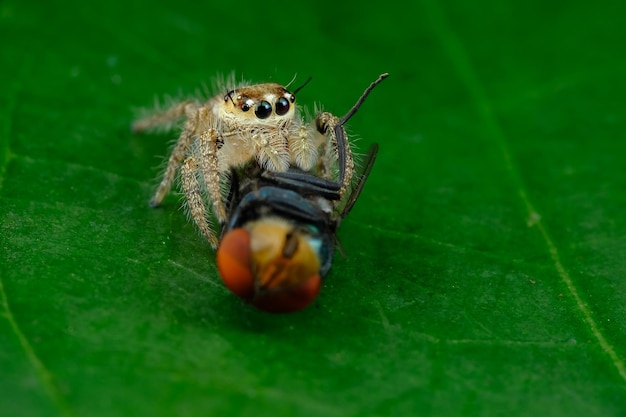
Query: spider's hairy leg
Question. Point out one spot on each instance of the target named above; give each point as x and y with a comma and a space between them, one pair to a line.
330, 125
272, 149
166, 117
209, 165
178, 154
193, 193
303, 148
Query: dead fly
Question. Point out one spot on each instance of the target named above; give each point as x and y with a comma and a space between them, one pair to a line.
279, 219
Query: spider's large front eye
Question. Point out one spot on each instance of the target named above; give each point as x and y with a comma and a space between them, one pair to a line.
282, 106
263, 109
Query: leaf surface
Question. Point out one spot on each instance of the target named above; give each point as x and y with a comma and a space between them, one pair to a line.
485, 261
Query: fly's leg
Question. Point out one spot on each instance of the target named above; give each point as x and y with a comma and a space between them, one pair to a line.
331, 125
193, 193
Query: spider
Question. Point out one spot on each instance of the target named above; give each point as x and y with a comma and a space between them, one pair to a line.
259, 123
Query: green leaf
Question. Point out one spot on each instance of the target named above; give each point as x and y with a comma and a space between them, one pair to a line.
485, 261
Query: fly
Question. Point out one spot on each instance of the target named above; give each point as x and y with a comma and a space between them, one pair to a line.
280, 234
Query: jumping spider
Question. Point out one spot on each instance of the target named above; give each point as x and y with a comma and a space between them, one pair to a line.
259, 123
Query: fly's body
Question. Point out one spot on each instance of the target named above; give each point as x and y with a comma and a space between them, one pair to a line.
279, 240
277, 244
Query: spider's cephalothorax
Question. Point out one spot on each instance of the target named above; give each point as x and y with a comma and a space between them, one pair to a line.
250, 123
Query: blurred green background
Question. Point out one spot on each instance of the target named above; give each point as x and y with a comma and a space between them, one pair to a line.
485, 268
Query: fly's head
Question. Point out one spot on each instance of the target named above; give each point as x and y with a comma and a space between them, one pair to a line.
272, 264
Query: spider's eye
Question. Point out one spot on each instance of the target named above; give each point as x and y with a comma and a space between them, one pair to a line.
245, 103
282, 106
263, 109
292, 98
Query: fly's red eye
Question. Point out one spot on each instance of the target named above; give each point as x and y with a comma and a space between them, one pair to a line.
233, 262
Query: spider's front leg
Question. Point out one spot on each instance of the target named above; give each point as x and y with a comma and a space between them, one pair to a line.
195, 203
181, 149
209, 165
204, 161
199, 139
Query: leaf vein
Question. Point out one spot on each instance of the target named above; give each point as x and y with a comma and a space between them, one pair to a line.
40, 369
193, 272
459, 249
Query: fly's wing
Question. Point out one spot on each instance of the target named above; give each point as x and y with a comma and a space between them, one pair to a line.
361, 177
